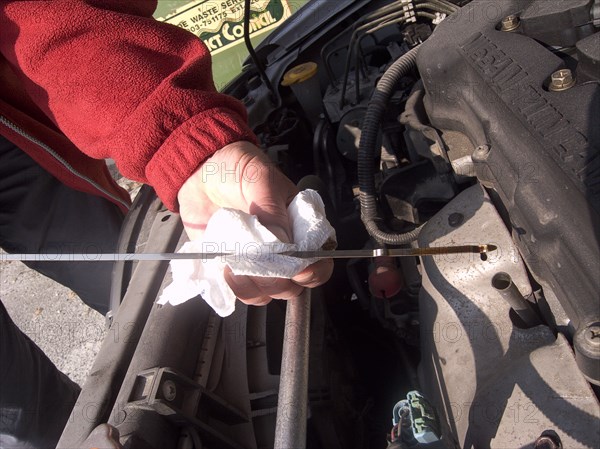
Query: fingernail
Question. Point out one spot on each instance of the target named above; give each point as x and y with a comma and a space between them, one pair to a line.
305, 278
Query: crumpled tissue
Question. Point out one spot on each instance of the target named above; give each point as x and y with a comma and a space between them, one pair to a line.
254, 252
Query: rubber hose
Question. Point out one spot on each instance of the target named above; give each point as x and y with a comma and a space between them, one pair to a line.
368, 140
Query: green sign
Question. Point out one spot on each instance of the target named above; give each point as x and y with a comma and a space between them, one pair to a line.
220, 25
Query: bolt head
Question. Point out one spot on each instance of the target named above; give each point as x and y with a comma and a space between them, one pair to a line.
562, 79
169, 390
510, 23
481, 153
592, 334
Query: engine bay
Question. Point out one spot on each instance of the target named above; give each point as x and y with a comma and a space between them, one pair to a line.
421, 124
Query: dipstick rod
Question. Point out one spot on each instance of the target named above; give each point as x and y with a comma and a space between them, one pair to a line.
254, 252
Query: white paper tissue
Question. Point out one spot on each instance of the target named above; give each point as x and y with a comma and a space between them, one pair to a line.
254, 250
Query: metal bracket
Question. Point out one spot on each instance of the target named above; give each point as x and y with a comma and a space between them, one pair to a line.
185, 403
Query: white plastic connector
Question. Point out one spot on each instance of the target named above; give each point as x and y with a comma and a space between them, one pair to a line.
409, 11
439, 17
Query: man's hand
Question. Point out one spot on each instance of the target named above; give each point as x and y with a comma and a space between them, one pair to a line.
240, 176
104, 436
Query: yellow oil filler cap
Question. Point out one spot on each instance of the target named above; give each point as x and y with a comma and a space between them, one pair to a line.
299, 74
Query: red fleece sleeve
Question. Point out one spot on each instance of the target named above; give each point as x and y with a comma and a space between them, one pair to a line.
120, 84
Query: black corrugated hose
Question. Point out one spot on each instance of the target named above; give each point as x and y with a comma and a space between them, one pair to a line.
368, 140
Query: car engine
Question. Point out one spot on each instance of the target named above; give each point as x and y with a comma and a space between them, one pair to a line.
421, 124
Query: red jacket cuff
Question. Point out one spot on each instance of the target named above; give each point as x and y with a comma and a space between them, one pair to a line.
184, 151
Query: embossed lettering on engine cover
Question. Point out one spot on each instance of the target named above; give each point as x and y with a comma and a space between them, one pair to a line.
514, 86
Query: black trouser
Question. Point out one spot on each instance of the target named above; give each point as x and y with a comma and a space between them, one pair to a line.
40, 214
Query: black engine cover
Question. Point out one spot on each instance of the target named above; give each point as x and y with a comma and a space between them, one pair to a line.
544, 162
